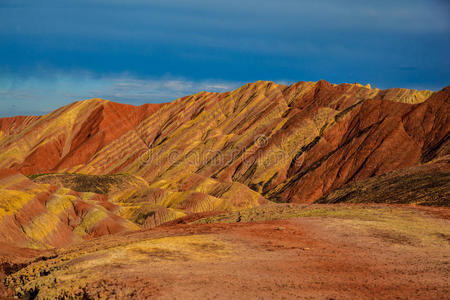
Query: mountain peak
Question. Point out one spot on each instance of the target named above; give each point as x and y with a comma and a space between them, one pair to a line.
77, 133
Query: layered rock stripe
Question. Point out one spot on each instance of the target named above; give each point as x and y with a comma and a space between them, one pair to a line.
227, 151
36, 215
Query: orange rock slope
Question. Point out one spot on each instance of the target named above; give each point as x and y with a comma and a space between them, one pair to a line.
40, 216
233, 150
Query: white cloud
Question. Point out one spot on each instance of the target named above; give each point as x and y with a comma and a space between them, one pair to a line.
32, 95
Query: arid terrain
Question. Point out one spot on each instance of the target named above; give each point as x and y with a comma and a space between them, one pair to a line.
314, 251
308, 191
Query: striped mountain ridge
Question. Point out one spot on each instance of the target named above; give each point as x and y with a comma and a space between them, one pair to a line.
34, 215
79, 136
56, 210
225, 151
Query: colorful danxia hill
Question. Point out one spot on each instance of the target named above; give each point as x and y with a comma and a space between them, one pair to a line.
313, 190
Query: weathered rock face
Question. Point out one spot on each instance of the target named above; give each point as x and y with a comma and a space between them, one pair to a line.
426, 184
373, 138
70, 136
37, 215
131, 197
224, 151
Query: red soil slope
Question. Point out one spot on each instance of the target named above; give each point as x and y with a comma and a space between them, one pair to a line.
357, 252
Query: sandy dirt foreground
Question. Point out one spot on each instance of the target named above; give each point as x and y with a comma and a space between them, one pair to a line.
318, 252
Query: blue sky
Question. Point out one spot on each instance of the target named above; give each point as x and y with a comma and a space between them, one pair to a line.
135, 51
